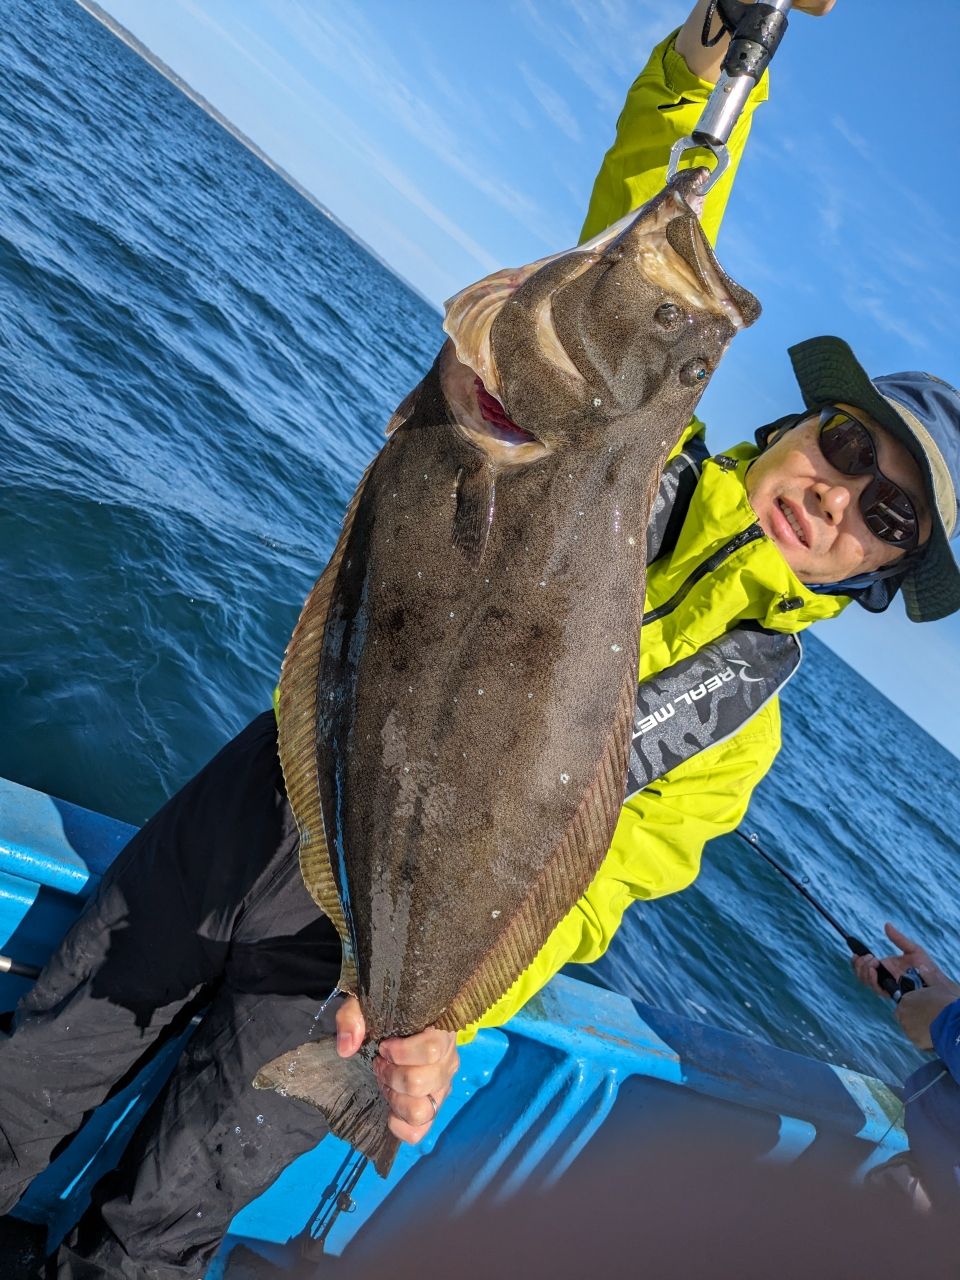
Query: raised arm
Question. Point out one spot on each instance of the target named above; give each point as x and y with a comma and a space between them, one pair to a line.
665, 103
704, 62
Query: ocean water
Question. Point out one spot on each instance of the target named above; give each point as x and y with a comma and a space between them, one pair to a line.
195, 367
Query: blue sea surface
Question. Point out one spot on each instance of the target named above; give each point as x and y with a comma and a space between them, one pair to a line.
195, 367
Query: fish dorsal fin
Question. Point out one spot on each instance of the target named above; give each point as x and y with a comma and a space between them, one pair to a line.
566, 876
297, 737
403, 411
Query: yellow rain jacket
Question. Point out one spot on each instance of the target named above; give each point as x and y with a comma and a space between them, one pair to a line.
660, 836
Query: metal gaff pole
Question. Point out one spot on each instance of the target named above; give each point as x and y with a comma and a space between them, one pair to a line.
754, 40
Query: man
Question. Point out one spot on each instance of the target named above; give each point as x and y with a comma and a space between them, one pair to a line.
930, 1017
206, 910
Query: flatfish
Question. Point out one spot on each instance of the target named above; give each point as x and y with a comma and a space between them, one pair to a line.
456, 699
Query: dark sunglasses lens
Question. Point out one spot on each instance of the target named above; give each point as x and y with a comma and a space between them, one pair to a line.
847, 446
888, 513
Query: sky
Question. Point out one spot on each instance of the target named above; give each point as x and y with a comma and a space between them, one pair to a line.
457, 138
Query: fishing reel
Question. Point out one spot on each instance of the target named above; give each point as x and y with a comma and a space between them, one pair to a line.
896, 988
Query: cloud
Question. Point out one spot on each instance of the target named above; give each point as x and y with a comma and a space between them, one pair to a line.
350, 47
552, 104
326, 114
606, 43
859, 143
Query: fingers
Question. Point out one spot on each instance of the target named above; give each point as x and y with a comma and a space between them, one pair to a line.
351, 1027
411, 1118
424, 1049
900, 939
866, 967
816, 7
416, 1074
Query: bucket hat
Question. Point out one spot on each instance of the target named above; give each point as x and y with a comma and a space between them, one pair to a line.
923, 413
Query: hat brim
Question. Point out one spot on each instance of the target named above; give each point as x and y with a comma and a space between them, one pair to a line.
829, 373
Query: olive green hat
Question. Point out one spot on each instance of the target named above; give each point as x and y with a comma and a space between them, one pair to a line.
921, 412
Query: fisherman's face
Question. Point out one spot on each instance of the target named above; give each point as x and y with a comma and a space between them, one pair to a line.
811, 511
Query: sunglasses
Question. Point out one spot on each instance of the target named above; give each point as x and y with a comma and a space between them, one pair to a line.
887, 510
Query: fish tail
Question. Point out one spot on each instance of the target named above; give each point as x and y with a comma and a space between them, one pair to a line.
344, 1090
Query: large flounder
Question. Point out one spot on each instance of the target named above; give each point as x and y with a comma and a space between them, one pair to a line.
456, 700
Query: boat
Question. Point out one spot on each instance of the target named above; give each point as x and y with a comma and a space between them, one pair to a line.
577, 1064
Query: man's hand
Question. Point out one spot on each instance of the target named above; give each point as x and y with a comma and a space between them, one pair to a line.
914, 957
917, 1011
411, 1070
704, 62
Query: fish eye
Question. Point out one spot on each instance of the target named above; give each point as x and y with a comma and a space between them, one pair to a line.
668, 315
694, 372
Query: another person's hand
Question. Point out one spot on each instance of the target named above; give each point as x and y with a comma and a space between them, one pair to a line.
918, 1009
415, 1072
914, 957
817, 7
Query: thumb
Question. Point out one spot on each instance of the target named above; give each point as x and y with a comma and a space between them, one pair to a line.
899, 939
351, 1027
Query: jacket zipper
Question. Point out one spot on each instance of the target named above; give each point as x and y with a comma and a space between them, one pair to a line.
750, 534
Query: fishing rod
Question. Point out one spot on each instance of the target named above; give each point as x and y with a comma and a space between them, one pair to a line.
894, 988
755, 32
18, 968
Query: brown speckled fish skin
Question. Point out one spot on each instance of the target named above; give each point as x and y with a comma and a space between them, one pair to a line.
474, 694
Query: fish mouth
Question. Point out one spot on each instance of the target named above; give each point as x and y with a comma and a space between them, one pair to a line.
501, 428
670, 245
685, 236
480, 417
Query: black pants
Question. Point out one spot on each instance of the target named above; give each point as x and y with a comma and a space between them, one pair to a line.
204, 909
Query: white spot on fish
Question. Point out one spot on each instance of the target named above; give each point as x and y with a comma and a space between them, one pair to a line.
564, 778
494, 914
529, 695
409, 688
419, 573
631, 541
406, 768
479, 693
259, 1119
542, 583
614, 648
597, 402
452, 614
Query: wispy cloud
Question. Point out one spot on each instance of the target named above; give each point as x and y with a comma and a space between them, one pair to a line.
327, 115
348, 46
603, 43
552, 104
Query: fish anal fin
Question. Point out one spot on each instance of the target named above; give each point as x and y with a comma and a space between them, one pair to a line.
476, 489
566, 876
344, 1090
